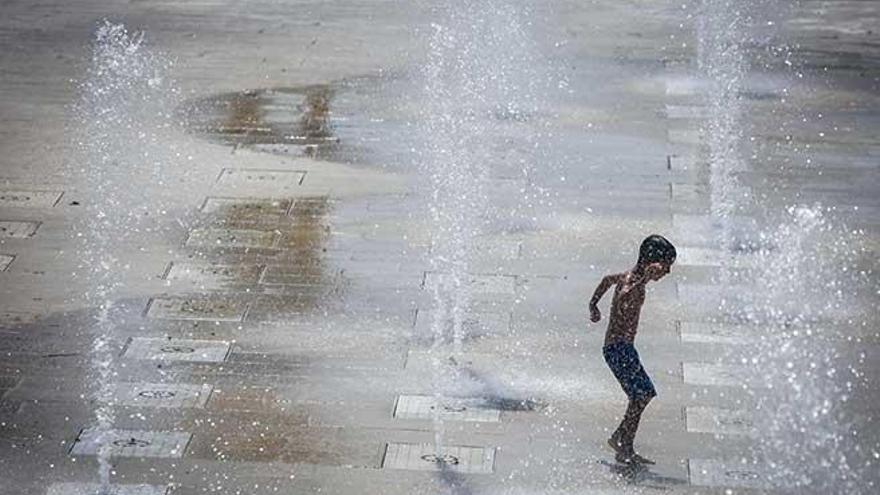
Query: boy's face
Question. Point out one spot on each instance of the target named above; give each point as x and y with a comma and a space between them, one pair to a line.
658, 270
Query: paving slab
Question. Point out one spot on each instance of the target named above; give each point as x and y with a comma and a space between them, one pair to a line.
16, 319
232, 238
18, 230
132, 443
733, 474
177, 350
72, 488
19, 198
478, 283
424, 457
447, 408
170, 395
5, 261
212, 275
198, 308
718, 333
714, 374
719, 421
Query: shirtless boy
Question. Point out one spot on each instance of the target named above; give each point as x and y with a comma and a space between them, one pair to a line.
656, 256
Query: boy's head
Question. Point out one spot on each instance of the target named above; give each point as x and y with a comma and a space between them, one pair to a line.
656, 256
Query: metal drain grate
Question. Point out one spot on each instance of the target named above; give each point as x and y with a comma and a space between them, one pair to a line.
19, 230
204, 274
710, 472
232, 238
274, 179
713, 374
202, 351
243, 209
718, 421
132, 443
196, 309
423, 457
95, 489
172, 395
451, 409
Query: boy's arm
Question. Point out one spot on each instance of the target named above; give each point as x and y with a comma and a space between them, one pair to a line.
603, 287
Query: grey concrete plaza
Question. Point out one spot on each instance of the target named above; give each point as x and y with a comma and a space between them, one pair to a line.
269, 320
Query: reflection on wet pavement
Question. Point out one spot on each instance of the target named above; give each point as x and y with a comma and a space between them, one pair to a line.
278, 116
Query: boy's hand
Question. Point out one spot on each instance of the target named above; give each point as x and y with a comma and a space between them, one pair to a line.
595, 315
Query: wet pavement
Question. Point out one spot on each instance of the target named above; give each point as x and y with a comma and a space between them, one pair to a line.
272, 332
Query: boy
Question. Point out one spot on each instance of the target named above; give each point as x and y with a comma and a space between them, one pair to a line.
656, 256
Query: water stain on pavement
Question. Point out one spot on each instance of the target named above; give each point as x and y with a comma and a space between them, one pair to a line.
297, 116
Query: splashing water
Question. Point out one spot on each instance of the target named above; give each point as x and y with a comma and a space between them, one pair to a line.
721, 60
476, 73
805, 278
810, 432
124, 107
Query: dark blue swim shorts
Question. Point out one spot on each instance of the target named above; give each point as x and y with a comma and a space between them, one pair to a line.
624, 362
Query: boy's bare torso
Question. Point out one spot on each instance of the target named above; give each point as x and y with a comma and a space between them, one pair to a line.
626, 307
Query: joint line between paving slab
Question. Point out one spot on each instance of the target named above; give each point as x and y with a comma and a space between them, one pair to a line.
147, 309
383, 454
167, 272
125, 346
75, 441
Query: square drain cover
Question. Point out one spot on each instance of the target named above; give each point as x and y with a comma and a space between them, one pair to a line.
132, 443
718, 421
479, 284
200, 351
424, 457
710, 472
5, 261
21, 230
295, 275
196, 309
244, 209
713, 374
29, 199
716, 333
204, 274
283, 179
232, 238
451, 409
94, 489
175, 395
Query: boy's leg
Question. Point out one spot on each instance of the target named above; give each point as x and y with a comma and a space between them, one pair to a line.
626, 432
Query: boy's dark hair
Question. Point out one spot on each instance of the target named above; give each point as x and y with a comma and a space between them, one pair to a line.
656, 248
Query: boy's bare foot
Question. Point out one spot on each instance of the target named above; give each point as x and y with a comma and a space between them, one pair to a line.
632, 458
614, 443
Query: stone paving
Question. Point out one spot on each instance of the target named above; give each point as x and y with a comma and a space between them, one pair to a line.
274, 336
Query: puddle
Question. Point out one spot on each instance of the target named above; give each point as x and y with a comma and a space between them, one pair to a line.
299, 117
